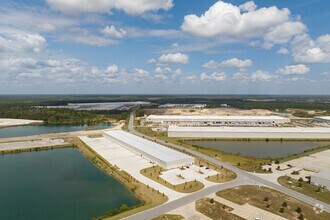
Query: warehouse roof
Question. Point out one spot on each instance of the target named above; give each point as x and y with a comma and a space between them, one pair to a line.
153, 149
323, 117
212, 117
251, 129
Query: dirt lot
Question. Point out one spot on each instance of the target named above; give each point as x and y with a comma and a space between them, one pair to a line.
208, 111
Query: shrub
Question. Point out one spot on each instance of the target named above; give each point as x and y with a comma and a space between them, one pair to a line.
284, 204
212, 201
123, 208
282, 210
266, 199
301, 216
300, 179
298, 209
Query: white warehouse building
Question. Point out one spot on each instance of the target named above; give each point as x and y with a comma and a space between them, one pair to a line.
321, 179
204, 120
322, 119
159, 154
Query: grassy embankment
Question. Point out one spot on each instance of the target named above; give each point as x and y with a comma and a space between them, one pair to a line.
214, 209
149, 196
305, 188
272, 201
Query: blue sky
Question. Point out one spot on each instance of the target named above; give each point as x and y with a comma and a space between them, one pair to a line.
165, 47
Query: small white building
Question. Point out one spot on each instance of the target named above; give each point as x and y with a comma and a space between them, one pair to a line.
158, 154
321, 179
206, 120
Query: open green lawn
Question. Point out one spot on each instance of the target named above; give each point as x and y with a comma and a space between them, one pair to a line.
305, 188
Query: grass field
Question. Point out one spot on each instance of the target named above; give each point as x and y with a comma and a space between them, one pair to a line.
169, 217
305, 188
215, 210
187, 187
272, 201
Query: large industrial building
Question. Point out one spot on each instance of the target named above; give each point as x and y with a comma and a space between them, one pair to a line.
203, 120
322, 119
158, 154
250, 132
321, 179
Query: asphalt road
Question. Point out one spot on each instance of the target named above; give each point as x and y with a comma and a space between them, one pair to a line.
243, 178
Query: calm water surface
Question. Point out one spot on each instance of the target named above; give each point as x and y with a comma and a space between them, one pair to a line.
261, 148
57, 184
44, 129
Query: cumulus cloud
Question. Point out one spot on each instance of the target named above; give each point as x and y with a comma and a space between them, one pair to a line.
248, 6
140, 75
174, 58
298, 69
231, 63
136, 7
112, 32
306, 50
112, 71
215, 76
225, 19
261, 76
283, 51
21, 42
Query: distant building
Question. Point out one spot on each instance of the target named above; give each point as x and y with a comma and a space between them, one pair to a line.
321, 179
158, 154
168, 105
322, 119
206, 120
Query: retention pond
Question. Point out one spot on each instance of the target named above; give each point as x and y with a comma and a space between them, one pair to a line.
261, 148
57, 184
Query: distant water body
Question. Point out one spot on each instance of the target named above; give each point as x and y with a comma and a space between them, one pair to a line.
261, 148
45, 129
57, 184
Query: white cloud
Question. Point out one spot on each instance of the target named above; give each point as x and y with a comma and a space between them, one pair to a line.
305, 50
140, 75
236, 63
136, 7
283, 51
231, 63
227, 20
151, 60
112, 32
248, 6
212, 64
112, 71
261, 76
160, 70
295, 69
174, 58
21, 42
283, 33
215, 76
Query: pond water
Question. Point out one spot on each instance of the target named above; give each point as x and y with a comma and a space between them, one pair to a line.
45, 129
261, 148
57, 184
